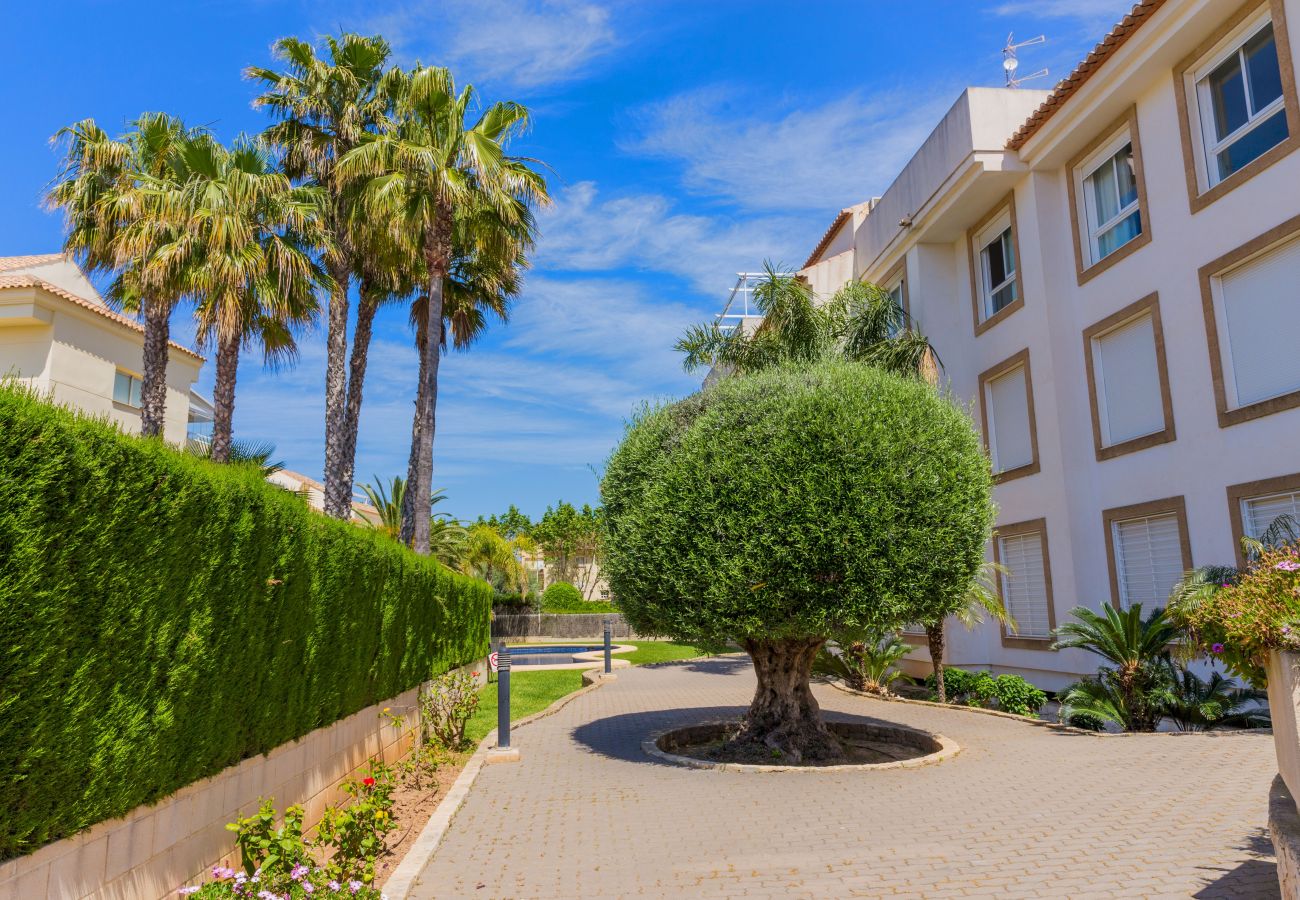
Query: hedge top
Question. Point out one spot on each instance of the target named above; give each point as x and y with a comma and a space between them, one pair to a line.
794, 502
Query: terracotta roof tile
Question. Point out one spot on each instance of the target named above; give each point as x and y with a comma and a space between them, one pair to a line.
25, 280
1067, 86
8, 263
827, 237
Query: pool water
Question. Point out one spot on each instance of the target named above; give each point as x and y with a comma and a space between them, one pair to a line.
551, 654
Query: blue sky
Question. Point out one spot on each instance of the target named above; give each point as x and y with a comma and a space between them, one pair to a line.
688, 141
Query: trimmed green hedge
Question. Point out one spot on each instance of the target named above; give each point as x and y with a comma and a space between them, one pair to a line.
162, 618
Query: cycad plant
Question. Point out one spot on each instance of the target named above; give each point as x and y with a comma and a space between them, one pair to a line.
1134, 690
1201, 704
861, 322
866, 660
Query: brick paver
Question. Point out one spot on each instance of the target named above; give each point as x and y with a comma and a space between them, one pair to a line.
1021, 812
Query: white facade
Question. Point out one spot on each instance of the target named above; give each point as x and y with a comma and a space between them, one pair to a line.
1130, 351
58, 337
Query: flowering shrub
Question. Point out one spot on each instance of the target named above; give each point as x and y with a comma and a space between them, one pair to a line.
298, 883
263, 847
1240, 623
448, 706
356, 832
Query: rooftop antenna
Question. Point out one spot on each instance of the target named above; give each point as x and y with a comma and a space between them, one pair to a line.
1010, 63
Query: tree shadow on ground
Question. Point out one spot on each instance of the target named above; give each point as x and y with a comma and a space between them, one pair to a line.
1252, 878
620, 737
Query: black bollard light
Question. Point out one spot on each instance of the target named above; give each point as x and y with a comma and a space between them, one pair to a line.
503, 696
609, 661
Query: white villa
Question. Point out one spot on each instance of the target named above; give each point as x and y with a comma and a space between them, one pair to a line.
58, 336
1110, 272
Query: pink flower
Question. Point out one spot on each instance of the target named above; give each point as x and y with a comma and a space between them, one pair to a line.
185, 891
333, 885
354, 886
1288, 565
298, 871
307, 888
1216, 648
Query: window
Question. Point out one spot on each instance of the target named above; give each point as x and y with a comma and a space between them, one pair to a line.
1128, 382
1026, 586
126, 389
1258, 513
1008, 417
1255, 506
1242, 109
995, 267
1148, 554
1252, 312
1110, 199
1237, 103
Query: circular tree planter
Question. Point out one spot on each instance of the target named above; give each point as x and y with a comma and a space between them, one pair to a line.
873, 746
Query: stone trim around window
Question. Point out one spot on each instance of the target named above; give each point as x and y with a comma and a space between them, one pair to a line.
1197, 197
1039, 526
1007, 203
1246, 490
1206, 274
1085, 271
1012, 362
898, 274
1148, 305
1175, 505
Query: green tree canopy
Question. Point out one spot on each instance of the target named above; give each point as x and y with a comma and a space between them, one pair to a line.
781, 507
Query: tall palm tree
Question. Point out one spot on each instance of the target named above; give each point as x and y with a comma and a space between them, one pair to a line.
981, 599
106, 185
245, 257
420, 172
860, 322
324, 105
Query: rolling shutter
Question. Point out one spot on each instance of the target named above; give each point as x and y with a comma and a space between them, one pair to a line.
1148, 560
1024, 586
1010, 441
1261, 314
1128, 382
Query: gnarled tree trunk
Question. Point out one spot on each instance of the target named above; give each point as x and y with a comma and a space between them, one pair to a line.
153, 387
934, 636
784, 715
223, 398
338, 493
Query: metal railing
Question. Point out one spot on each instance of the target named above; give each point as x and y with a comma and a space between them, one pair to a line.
740, 309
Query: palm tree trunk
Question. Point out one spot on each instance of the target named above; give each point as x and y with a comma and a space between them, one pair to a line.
338, 493
437, 254
153, 390
356, 381
223, 398
407, 531
934, 635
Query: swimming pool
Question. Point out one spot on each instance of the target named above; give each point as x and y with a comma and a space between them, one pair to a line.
550, 654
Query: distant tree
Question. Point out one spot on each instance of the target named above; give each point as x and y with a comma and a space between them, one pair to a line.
565, 533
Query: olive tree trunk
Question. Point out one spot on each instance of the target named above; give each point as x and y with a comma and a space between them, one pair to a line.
784, 716
934, 636
223, 398
338, 493
153, 387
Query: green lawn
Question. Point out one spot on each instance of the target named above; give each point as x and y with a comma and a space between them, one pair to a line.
530, 692
658, 651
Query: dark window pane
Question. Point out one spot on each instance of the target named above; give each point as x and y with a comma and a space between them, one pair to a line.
1249, 147
1004, 297
1265, 73
1228, 94
1126, 180
997, 266
1118, 235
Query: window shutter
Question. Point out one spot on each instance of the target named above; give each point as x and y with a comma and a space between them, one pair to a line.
1128, 382
1024, 587
1259, 512
1011, 442
1148, 560
1261, 312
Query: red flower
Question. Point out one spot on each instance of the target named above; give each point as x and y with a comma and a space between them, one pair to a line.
473, 674
368, 782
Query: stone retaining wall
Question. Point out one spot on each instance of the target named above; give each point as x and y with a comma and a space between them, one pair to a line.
579, 626
156, 849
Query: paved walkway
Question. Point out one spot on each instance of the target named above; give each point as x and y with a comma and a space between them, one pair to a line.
1021, 812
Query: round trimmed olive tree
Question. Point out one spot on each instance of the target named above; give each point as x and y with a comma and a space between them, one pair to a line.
777, 508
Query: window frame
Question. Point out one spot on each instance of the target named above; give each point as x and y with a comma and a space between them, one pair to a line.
1202, 188
1176, 506
1239, 494
1211, 303
1148, 306
1018, 529
1006, 367
1122, 131
977, 239
133, 379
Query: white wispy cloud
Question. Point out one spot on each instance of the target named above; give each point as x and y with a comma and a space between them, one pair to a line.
764, 154
586, 232
1087, 17
526, 43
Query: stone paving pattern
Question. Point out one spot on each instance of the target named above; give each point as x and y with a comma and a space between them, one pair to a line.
1022, 811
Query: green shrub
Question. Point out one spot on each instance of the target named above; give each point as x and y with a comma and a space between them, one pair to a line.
1015, 695
562, 597
163, 617
1009, 693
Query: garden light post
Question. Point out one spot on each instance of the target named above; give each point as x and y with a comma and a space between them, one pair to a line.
609, 662
503, 752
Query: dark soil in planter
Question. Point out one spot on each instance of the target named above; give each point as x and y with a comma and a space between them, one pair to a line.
863, 744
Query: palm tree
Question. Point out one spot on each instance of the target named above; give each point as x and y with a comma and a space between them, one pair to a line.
449, 535
865, 660
1199, 704
490, 555
105, 186
980, 599
251, 452
244, 257
324, 106
861, 322
1138, 650
420, 172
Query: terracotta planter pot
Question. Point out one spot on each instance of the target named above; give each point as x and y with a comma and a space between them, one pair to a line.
1284, 703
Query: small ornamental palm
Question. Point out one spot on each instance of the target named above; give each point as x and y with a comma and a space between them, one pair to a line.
866, 659
1200, 704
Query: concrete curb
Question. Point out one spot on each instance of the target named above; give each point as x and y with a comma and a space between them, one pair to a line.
1043, 723
404, 877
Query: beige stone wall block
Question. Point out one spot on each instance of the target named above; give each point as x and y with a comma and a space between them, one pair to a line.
78, 874
1283, 700
129, 845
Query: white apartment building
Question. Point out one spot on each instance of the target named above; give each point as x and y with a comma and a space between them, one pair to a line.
1110, 273
58, 336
